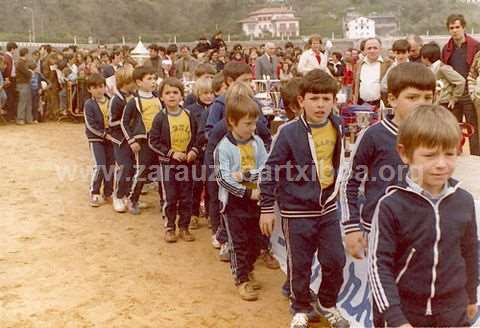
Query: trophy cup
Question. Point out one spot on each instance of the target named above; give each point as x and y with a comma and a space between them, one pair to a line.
363, 119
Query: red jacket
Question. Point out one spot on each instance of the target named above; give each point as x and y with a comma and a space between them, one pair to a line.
7, 72
472, 48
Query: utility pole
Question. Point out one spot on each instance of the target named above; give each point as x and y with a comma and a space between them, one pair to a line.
33, 21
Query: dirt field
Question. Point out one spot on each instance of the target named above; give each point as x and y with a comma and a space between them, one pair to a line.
65, 264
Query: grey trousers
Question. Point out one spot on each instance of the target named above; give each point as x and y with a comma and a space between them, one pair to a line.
24, 108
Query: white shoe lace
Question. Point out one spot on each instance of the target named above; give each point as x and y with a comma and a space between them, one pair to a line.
333, 315
299, 320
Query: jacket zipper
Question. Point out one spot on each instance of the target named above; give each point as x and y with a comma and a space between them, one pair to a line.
435, 258
436, 207
404, 269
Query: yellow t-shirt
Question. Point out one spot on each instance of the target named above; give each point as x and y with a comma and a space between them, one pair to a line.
247, 160
104, 109
150, 108
180, 131
324, 138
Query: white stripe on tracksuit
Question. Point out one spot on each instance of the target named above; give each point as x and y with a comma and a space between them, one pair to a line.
96, 168
378, 291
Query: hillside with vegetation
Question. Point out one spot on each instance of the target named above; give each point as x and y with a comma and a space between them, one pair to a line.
161, 20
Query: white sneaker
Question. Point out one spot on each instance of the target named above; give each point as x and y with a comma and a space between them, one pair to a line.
215, 243
333, 316
119, 205
299, 320
96, 200
224, 254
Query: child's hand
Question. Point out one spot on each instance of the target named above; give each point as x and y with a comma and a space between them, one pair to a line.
451, 104
191, 156
135, 147
356, 244
255, 194
237, 176
179, 156
471, 311
267, 222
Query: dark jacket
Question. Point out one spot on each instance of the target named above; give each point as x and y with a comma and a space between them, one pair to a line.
375, 155
115, 113
290, 173
95, 127
199, 112
473, 46
423, 255
23, 72
132, 123
159, 137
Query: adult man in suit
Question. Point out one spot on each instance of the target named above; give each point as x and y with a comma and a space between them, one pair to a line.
266, 65
186, 64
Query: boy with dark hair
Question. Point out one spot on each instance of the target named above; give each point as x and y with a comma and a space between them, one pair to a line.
375, 163
232, 72
239, 157
423, 249
450, 84
24, 77
173, 138
400, 49
97, 131
137, 120
306, 194
289, 93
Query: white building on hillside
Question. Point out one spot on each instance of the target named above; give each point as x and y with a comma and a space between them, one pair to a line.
360, 28
275, 22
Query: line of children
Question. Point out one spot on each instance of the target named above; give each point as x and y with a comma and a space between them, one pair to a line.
423, 249
301, 175
173, 138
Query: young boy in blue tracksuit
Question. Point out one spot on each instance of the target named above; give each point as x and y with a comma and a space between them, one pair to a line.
97, 131
423, 248
301, 175
204, 97
121, 150
173, 138
137, 120
238, 159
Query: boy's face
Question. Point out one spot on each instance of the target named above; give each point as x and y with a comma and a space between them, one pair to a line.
426, 62
222, 90
401, 56
244, 128
147, 84
206, 97
430, 167
131, 87
97, 92
456, 30
317, 106
171, 96
408, 100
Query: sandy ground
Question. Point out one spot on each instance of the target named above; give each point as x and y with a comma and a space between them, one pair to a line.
65, 264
